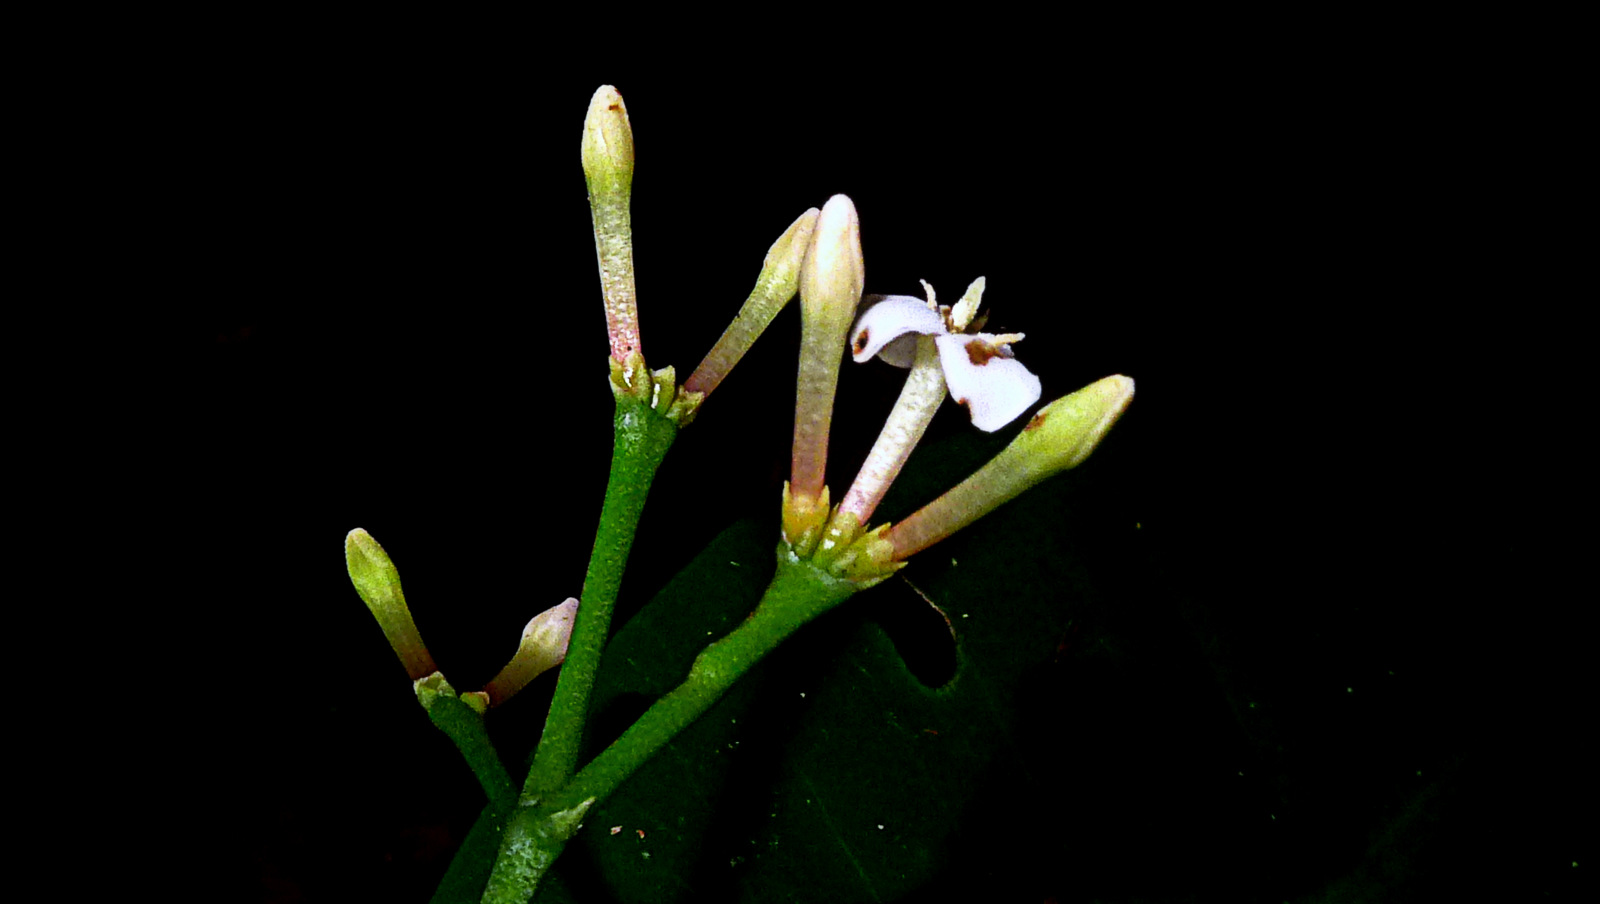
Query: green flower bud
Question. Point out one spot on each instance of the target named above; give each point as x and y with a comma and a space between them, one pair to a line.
1059, 437
378, 583
778, 282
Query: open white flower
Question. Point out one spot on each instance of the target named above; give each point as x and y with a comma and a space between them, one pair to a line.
978, 367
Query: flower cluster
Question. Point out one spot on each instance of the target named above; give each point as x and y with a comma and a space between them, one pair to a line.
819, 258
828, 551
944, 349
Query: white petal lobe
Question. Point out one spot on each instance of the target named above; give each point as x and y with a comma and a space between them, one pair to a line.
995, 387
888, 320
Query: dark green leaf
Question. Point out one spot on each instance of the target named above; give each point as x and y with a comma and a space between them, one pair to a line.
831, 773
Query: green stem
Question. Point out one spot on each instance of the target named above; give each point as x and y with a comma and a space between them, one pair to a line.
464, 725
642, 437
540, 829
798, 593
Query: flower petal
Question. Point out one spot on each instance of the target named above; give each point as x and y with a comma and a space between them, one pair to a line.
983, 376
890, 318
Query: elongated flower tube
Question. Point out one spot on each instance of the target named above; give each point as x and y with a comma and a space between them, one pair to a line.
378, 583
1060, 436
608, 170
543, 647
830, 289
919, 399
779, 279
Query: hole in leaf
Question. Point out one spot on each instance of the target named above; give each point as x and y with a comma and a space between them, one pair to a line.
920, 632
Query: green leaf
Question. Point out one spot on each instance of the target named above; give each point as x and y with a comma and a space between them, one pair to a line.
882, 770
673, 799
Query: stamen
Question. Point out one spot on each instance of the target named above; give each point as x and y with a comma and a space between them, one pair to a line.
961, 315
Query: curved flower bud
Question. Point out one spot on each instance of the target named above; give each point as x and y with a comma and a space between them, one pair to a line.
778, 282
543, 647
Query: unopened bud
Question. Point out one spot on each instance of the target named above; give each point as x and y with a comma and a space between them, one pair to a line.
778, 282
1059, 437
543, 647
608, 169
608, 141
378, 582
830, 289
1065, 431
833, 273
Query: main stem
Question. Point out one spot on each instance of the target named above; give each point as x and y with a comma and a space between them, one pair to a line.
642, 438
539, 830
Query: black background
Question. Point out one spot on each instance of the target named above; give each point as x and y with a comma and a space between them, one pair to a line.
389, 318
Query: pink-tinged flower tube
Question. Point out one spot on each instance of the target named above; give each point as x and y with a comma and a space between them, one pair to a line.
978, 367
920, 398
1060, 436
608, 170
830, 289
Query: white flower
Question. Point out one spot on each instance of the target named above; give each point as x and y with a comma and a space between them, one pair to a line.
978, 367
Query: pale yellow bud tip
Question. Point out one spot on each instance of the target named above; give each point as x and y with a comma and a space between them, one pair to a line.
833, 273
607, 138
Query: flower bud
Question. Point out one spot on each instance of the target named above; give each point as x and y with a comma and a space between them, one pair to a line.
833, 273
378, 582
608, 169
830, 289
1059, 437
543, 647
608, 141
778, 282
